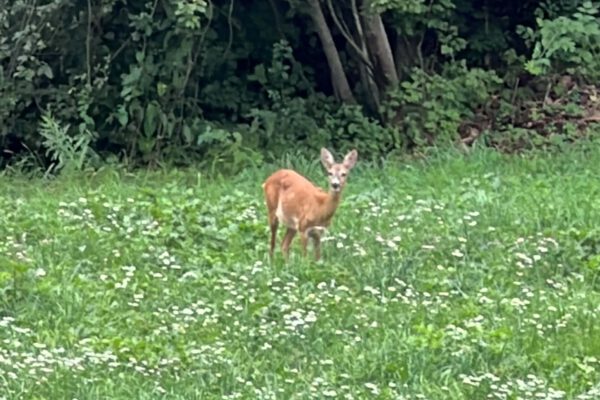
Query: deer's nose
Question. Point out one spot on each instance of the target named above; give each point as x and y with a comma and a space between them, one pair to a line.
335, 185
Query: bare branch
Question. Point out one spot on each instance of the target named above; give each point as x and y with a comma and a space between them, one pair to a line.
88, 44
277, 16
230, 27
362, 56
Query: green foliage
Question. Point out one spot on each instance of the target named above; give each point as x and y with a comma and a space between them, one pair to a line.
415, 18
289, 118
73, 153
24, 35
567, 44
283, 78
349, 127
190, 13
225, 151
295, 122
310, 122
315, 123
416, 15
554, 9
225, 84
431, 107
154, 109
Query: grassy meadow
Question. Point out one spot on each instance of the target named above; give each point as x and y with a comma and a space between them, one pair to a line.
458, 277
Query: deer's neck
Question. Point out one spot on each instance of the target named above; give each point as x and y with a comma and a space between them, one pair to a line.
329, 204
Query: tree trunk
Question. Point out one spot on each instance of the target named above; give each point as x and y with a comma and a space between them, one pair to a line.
370, 88
339, 80
404, 56
278, 18
380, 49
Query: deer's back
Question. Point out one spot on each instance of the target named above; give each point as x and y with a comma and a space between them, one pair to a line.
292, 196
287, 181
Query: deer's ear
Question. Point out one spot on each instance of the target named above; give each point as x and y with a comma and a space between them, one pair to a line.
350, 159
326, 158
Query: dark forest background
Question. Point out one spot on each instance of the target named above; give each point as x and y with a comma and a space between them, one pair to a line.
232, 83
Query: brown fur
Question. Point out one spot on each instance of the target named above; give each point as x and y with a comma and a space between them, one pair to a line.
303, 207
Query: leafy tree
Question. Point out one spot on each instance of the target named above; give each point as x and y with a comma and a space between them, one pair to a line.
228, 82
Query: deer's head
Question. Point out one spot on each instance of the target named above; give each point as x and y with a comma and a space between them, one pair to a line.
338, 173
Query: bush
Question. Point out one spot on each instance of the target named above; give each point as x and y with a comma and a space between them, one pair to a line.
310, 120
566, 44
431, 107
71, 152
349, 127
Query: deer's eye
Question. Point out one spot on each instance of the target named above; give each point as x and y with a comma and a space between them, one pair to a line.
330, 173
343, 174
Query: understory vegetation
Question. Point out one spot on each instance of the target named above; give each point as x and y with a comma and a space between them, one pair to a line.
229, 84
451, 277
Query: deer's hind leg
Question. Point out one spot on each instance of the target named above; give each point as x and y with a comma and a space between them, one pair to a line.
272, 198
287, 241
304, 239
273, 224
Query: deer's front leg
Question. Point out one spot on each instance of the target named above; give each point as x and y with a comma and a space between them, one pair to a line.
315, 235
317, 246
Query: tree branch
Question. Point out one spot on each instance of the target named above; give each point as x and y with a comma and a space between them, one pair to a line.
88, 44
230, 26
362, 56
277, 15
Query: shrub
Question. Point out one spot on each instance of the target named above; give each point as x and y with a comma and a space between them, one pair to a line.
430, 107
566, 44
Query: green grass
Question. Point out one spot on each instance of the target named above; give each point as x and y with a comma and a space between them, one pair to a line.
460, 277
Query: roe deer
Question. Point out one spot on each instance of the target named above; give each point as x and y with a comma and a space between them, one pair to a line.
301, 206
